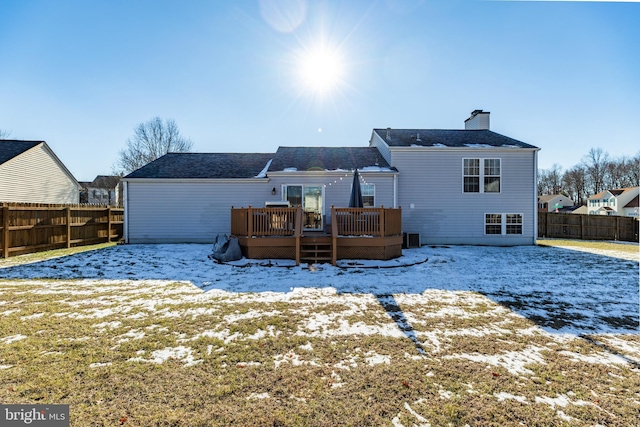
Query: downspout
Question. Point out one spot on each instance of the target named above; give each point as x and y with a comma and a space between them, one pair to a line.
395, 191
125, 228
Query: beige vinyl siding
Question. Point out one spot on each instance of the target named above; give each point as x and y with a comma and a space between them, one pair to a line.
434, 205
36, 177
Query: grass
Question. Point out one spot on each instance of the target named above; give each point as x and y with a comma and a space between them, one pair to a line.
136, 353
591, 244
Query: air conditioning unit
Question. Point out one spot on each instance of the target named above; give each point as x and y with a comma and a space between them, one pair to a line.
411, 240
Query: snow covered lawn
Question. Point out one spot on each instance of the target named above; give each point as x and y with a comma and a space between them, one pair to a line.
476, 335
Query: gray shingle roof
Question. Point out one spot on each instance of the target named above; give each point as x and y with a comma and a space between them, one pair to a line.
10, 148
447, 138
326, 158
204, 165
249, 165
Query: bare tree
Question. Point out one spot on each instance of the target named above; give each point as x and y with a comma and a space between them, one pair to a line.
4, 134
596, 166
575, 184
550, 180
151, 140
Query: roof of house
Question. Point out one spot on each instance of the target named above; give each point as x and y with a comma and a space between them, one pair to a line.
634, 203
252, 165
204, 165
548, 197
10, 148
104, 181
483, 138
615, 192
327, 158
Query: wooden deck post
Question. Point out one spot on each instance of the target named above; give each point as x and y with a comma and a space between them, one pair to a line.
5, 231
298, 233
334, 236
382, 228
68, 212
249, 222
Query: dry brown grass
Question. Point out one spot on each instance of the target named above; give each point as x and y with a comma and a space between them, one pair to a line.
244, 359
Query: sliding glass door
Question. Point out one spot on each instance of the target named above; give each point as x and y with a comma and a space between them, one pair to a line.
310, 198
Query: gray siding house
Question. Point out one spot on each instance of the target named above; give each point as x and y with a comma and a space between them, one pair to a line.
470, 186
187, 197
30, 172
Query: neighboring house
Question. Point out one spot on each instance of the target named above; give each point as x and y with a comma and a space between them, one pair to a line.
582, 210
555, 203
30, 172
615, 202
103, 190
470, 186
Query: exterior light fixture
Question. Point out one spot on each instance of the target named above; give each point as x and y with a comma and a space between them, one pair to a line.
273, 191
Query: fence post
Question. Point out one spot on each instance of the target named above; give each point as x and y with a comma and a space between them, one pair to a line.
249, 222
382, 220
109, 224
5, 231
68, 212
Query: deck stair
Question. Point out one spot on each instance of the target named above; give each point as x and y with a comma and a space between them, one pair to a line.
315, 249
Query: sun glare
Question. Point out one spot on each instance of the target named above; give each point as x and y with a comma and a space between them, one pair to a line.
320, 70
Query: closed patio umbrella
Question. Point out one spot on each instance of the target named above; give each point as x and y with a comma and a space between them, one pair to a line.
355, 201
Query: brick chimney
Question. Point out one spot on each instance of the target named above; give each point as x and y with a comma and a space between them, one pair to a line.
479, 120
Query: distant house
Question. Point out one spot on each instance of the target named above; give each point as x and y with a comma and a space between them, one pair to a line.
621, 202
555, 203
103, 190
471, 186
30, 172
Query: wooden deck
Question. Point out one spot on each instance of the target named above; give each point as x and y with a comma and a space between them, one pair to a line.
353, 233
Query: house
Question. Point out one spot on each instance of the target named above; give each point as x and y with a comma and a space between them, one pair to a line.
555, 203
30, 172
471, 186
620, 202
103, 190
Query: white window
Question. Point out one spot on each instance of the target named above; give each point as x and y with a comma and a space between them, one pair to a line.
368, 195
473, 175
502, 224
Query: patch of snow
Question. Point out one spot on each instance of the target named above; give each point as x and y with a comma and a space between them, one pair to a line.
478, 145
596, 358
307, 346
374, 358
502, 396
100, 365
184, 354
513, 361
12, 338
32, 316
290, 169
258, 396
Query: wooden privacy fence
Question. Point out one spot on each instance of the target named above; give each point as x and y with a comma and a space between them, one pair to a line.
587, 227
26, 228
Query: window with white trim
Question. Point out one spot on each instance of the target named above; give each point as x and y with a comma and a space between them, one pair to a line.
473, 175
368, 195
502, 224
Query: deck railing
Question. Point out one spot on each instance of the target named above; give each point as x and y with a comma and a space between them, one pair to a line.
367, 221
276, 221
264, 221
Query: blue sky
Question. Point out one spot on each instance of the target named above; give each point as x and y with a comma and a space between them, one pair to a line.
564, 76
